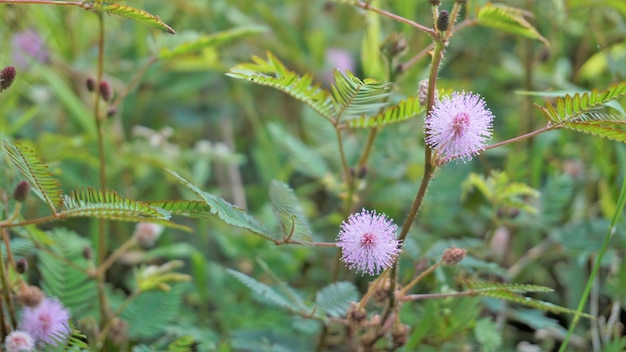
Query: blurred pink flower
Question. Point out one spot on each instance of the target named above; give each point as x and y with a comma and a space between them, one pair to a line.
47, 321
18, 341
459, 126
28, 45
368, 242
338, 59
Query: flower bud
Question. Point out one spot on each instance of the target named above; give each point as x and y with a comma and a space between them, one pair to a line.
443, 21
105, 90
434, 2
87, 253
111, 111
21, 265
453, 255
147, 233
30, 296
7, 76
90, 82
21, 191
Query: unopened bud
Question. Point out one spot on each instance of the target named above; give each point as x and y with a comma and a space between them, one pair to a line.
393, 45
399, 333
7, 76
91, 84
105, 90
453, 255
21, 265
30, 296
147, 233
355, 314
87, 253
21, 191
422, 92
443, 21
111, 111
435, 2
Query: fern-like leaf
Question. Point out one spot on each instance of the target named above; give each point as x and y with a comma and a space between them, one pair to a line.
515, 288
44, 185
264, 291
354, 97
107, 204
580, 107
529, 302
187, 208
273, 73
293, 223
335, 298
613, 130
404, 110
144, 320
227, 212
134, 14
68, 283
509, 19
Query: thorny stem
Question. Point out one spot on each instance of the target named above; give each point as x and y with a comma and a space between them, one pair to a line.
372, 289
6, 292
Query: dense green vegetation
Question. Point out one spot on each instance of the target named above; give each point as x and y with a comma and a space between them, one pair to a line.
249, 132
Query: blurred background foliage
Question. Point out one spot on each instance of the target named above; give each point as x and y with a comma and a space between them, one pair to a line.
233, 138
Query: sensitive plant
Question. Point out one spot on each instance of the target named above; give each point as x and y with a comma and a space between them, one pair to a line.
456, 125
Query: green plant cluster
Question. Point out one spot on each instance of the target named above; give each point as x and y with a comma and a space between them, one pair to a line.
248, 131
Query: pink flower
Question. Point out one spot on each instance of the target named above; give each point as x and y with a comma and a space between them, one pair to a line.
29, 45
18, 341
47, 321
459, 126
368, 242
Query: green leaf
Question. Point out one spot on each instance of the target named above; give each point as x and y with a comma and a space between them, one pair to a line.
150, 312
530, 302
515, 288
43, 184
69, 283
509, 19
134, 14
583, 107
227, 212
487, 334
302, 157
195, 43
335, 298
404, 110
274, 74
189, 208
263, 290
287, 209
613, 130
354, 97
107, 204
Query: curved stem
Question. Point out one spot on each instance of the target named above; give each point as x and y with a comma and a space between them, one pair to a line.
395, 17
419, 278
546, 128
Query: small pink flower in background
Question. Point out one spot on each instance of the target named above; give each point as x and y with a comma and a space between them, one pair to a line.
18, 341
47, 321
368, 242
339, 59
28, 45
459, 126
147, 233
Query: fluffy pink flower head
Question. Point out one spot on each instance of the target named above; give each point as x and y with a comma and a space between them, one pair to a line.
47, 321
459, 126
368, 242
18, 341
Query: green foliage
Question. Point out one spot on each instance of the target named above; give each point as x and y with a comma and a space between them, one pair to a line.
134, 14
487, 335
335, 298
69, 283
501, 192
404, 110
107, 204
580, 113
264, 292
508, 19
293, 224
43, 183
227, 212
152, 311
192, 42
349, 98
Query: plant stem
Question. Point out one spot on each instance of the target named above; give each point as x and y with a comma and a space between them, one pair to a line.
546, 128
395, 17
419, 278
596, 266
